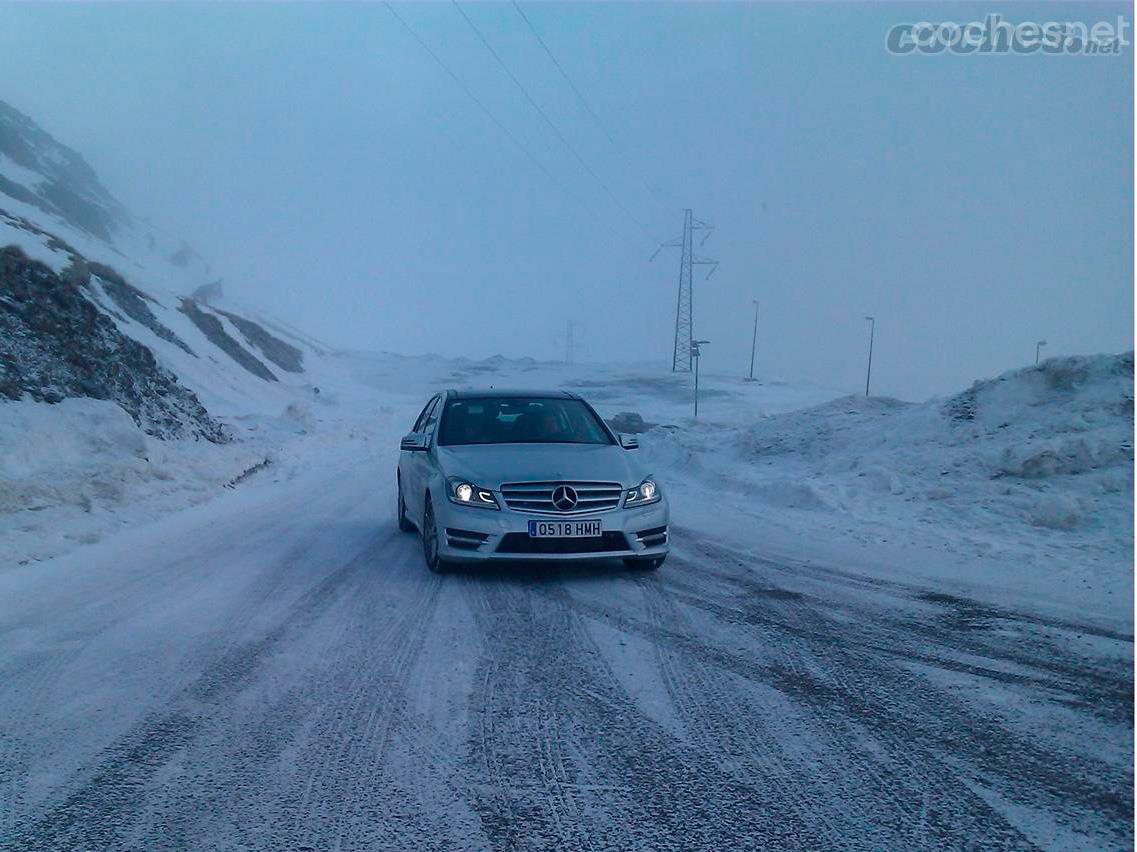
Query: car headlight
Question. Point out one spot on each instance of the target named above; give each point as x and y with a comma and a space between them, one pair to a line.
467, 494
644, 493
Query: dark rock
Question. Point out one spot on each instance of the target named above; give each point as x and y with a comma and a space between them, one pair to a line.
133, 302
285, 356
207, 293
629, 422
212, 328
55, 343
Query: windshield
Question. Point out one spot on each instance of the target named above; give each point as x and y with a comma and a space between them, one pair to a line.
520, 420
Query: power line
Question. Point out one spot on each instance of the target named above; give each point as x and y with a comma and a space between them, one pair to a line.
588, 107
470, 94
552, 125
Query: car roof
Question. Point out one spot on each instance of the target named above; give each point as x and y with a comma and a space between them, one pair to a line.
486, 393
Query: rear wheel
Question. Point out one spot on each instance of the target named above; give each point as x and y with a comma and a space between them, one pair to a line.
430, 540
404, 522
644, 563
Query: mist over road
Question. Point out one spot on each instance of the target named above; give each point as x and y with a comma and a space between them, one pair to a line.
278, 670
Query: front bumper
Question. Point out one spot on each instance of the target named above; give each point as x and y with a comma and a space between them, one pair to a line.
469, 534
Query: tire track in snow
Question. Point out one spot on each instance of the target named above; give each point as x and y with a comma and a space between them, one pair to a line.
869, 802
859, 655
353, 796
721, 678
570, 759
95, 602
312, 754
522, 799
101, 811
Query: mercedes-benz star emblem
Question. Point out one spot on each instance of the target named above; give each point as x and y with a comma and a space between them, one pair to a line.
564, 497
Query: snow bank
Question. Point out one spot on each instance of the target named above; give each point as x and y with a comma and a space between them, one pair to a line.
73, 471
43, 446
1033, 469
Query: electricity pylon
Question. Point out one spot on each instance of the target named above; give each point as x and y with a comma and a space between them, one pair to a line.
684, 307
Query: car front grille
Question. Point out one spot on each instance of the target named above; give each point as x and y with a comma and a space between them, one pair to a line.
609, 542
537, 497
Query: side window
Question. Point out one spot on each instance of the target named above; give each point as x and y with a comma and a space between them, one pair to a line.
420, 424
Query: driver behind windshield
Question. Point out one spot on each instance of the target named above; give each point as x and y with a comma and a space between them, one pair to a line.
539, 421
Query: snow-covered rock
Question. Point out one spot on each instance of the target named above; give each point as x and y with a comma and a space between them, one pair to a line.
96, 303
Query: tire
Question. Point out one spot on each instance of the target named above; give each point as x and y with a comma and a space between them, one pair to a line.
405, 524
649, 563
434, 562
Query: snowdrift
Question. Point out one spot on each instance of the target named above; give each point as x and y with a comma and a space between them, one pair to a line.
1035, 465
73, 471
1049, 445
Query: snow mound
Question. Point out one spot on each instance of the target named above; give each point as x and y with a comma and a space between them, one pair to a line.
41, 443
1035, 465
74, 470
1068, 417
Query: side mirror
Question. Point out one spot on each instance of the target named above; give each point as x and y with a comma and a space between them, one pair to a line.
628, 442
415, 442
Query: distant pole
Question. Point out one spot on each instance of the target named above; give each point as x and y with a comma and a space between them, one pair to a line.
872, 334
695, 355
754, 341
1038, 351
568, 343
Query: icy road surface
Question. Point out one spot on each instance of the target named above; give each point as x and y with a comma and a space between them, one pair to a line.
277, 670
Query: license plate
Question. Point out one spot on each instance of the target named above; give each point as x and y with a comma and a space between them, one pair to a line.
564, 529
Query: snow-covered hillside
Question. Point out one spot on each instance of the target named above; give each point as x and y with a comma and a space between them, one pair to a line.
49, 185
80, 270
119, 358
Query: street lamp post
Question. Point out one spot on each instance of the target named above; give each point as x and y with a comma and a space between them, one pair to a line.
754, 341
1038, 351
695, 353
872, 334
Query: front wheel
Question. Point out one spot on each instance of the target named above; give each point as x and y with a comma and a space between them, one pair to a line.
430, 541
642, 563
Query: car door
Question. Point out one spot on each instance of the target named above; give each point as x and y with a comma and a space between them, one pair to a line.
409, 467
417, 470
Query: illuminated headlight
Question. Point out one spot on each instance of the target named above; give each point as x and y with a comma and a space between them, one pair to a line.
644, 493
467, 494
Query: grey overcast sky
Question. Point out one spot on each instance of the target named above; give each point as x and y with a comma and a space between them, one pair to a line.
334, 174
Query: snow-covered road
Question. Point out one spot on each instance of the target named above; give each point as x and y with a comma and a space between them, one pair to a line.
276, 670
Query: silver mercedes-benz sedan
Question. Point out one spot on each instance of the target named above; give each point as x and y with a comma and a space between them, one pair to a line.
515, 475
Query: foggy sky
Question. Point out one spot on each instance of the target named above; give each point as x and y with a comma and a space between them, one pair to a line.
332, 173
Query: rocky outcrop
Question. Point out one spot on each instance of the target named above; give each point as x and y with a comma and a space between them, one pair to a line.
212, 328
133, 302
55, 343
284, 355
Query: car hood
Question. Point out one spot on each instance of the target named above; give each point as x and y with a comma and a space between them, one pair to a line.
489, 465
